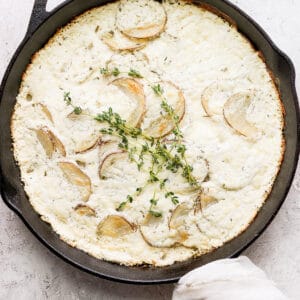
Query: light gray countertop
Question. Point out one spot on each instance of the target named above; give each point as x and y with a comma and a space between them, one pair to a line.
30, 271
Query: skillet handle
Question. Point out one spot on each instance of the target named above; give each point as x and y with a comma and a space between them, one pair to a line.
38, 15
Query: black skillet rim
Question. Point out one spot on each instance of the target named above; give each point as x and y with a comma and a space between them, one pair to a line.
169, 279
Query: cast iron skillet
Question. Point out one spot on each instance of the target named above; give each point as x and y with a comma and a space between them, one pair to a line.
41, 27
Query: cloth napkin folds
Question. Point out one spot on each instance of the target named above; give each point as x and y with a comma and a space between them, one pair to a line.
227, 279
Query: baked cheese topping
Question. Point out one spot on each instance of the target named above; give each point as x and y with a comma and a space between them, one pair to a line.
148, 133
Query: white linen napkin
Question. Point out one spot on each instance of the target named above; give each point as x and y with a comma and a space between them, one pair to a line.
227, 279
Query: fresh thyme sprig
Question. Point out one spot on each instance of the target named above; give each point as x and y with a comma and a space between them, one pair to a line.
116, 72
153, 203
77, 110
119, 126
106, 72
157, 89
155, 149
130, 198
187, 169
173, 197
138, 145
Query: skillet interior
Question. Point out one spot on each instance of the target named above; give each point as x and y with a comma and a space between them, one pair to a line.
14, 195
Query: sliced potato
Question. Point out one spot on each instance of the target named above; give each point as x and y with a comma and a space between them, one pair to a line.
181, 222
114, 226
160, 234
135, 90
186, 189
200, 172
87, 145
119, 42
207, 200
124, 61
147, 31
46, 111
179, 215
84, 210
203, 201
107, 147
50, 142
141, 18
156, 233
78, 178
59, 146
109, 161
45, 138
235, 113
214, 96
164, 124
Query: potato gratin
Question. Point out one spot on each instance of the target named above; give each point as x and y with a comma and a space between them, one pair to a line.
147, 132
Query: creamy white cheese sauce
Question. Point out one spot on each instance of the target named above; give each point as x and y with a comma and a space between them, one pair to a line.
196, 49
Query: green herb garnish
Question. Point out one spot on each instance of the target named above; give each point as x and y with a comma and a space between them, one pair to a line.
157, 89
135, 74
116, 72
106, 72
77, 110
161, 155
155, 214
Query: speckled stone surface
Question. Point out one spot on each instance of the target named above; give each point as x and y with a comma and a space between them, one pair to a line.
30, 271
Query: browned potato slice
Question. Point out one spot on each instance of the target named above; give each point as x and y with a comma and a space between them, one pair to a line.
160, 234
164, 124
119, 42
84, 210
180, 221
235, 113
214, 96
156, 233
204, 201
207, 200
107, 147
109, 161
186, 190
147, 31
78, 178
50, 142
45, 138
59, 146
46, 111
141, 18
179, 215
135, 90
164, 241
87, 145
114, 226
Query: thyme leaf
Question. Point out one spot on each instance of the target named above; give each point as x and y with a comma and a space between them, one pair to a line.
135, 74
